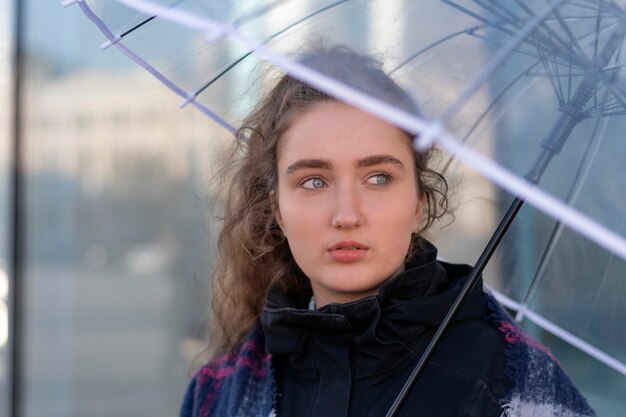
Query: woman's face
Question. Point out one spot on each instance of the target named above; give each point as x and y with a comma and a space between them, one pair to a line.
347, 200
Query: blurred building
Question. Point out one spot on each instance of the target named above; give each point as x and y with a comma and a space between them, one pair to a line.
89, 124
118, 239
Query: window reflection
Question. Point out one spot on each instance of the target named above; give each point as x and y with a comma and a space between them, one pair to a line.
117, 247
115, 231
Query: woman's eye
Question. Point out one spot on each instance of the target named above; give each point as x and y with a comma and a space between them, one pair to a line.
313, 183
379, 179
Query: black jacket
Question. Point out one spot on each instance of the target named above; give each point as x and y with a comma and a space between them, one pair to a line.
352, 359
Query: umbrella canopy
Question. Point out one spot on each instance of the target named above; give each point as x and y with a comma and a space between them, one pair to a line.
530, 94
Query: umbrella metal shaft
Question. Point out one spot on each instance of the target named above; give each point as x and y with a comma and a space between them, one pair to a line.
465, 290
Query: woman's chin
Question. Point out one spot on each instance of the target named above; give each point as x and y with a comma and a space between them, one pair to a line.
346, 289
341, 283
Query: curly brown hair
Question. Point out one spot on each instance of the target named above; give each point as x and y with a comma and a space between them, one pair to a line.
253, 255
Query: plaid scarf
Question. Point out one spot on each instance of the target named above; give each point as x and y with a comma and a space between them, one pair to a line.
241, 384
540, 386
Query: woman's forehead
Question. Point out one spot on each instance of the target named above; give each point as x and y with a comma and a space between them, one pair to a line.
336, 131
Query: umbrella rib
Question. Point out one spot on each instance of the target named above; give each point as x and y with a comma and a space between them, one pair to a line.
571, 112
573, 41
469, 32
569, 82
617, 94
553, 36
500, 44
530, 13
598, 74
559, 81
502, 93
497, 10
513, 18
537, 36
91, 15
258, 12
582, 5
575, 17
498, 97
557, 60
559, 332
544, 25
556, 86
595, 101
523, 6
543, 74
568, 57
611, 105
572, 58
577, 342
620, 113
137, 26
484, 114
489, 108
596, 298
549, 43
597, 37
563, 49
478, 17
497, 60
551, 63
143, 22
582, 173
247, 54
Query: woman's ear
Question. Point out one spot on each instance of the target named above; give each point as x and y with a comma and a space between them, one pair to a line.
419, 212
276, 209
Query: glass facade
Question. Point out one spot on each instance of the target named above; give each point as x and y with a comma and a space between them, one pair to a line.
6, 37
116, 238
118, 233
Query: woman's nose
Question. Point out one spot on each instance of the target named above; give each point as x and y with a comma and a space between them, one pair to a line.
348, 213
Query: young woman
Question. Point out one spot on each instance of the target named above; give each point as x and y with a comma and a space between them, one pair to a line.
325, 295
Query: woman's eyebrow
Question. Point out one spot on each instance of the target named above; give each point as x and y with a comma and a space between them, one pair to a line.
309, 163
368, 161
378, 160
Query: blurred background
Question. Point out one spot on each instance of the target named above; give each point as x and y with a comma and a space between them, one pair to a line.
115, 242
115, 229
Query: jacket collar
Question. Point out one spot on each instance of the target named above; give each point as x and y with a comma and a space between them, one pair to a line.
382, 330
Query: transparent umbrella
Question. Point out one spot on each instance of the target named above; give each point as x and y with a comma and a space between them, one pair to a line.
504, 87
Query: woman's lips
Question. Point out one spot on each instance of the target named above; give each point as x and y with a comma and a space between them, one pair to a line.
347, 251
